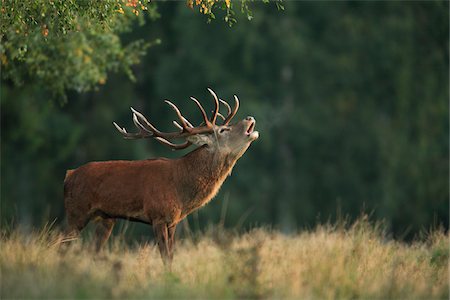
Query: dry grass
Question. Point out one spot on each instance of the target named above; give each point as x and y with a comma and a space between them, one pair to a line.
327, 262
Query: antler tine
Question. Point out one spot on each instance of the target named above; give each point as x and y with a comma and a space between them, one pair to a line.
131, 136
216, 108
172, 145
233, 113
120, 129
188, 123
148, 130
141, 127
220, 116
205, 118
144, 120
177, 125
144, 132
227, 105
180, 116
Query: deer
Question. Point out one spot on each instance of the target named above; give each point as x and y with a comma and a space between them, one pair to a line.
160, 192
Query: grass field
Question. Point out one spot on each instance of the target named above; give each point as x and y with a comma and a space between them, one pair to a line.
355, 261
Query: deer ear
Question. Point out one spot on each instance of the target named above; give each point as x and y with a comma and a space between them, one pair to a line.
199, 139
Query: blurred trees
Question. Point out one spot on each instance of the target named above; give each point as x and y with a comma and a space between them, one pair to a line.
350, 98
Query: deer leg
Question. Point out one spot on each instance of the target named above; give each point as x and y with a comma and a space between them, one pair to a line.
76, 223
103, 231
171, 232
162, 237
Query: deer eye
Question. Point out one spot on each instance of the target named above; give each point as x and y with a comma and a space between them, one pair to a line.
223, 129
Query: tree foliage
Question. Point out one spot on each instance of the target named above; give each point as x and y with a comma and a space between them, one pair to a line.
69, 45
73, 45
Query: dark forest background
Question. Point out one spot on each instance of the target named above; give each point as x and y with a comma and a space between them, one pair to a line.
351, 101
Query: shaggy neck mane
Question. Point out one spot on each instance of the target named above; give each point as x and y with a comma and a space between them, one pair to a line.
206, 171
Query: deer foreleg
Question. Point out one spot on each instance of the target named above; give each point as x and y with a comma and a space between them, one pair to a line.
171, 231
162, 237
103, 231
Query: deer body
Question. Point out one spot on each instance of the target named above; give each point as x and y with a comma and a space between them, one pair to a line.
133, 189
160, 192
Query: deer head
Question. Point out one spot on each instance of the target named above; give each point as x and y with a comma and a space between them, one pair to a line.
229, 139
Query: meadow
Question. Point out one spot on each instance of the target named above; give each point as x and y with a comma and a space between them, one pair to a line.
329, 261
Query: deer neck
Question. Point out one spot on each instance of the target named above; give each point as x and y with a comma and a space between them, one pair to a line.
205, 170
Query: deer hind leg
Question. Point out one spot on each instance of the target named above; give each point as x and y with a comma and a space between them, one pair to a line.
162, 237
103, 231
171, 232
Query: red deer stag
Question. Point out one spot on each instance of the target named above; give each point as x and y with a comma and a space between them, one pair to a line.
160, 192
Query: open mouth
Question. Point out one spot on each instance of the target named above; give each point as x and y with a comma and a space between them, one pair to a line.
250, 128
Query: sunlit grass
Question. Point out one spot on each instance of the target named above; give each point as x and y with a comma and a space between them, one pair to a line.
328, 262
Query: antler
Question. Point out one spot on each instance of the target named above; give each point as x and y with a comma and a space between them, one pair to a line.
147, 130
231, 113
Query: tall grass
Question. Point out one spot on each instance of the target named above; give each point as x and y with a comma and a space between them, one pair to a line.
354, 261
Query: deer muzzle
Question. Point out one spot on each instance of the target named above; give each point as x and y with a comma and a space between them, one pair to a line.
250, 132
